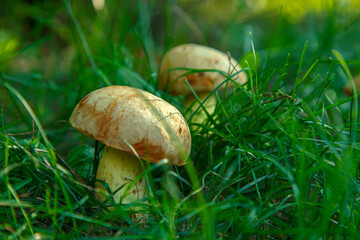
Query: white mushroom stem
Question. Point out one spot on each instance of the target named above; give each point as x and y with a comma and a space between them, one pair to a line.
118, 169
200, 116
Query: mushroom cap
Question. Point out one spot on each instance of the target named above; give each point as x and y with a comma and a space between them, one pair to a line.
131, 119
194, 56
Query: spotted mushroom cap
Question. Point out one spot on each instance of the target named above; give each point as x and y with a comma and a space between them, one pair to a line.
131, 119
194, 56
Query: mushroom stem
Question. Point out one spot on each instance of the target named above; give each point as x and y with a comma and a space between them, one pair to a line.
193, 104
118, 169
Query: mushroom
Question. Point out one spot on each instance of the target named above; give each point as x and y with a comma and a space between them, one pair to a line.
348, 89
210, 62
133, 125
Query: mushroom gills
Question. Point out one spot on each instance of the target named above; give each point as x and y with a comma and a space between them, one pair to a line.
118, 169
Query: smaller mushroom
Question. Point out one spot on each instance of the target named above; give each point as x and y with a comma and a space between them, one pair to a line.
348, 90
210, 62
134, 125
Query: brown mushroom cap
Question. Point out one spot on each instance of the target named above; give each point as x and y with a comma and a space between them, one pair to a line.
119, 116
196, 56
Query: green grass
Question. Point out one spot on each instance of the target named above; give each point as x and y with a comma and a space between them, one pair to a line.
279, 157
